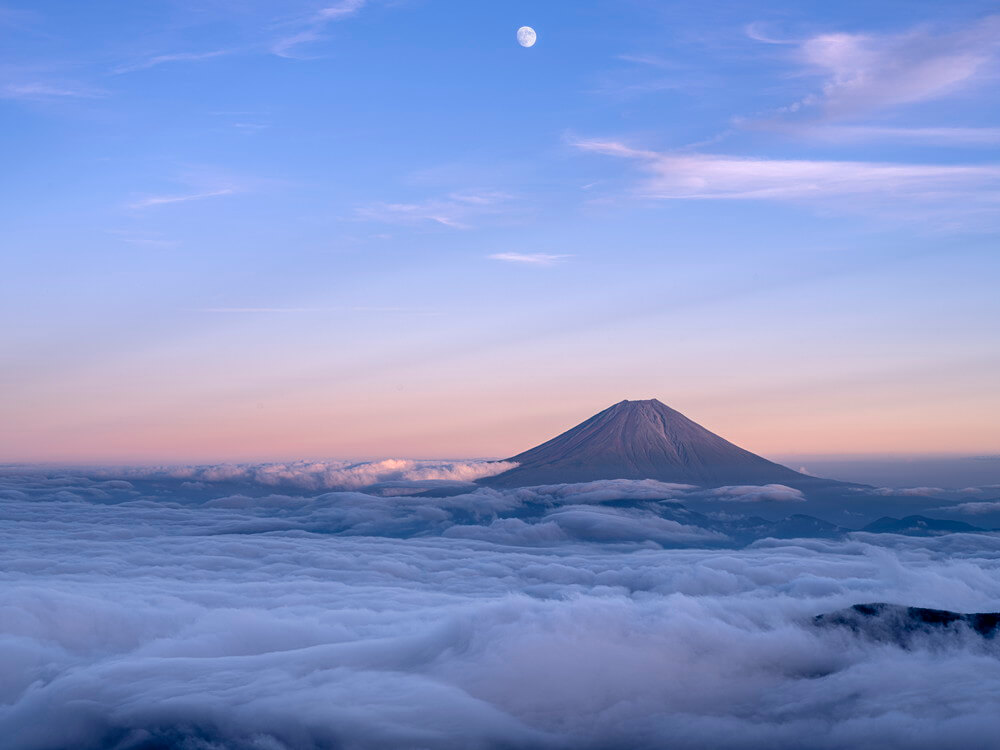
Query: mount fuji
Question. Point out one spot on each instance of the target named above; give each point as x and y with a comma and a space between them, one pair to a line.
643, 440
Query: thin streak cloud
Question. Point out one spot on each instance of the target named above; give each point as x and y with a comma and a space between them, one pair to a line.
652, 61
37, 90
456, 211
530, 259
159, 200
851, 184
314, 26
954, 136
293, 310
153, 62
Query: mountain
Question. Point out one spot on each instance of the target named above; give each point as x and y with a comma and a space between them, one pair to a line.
643, 440
908, 626
920, 526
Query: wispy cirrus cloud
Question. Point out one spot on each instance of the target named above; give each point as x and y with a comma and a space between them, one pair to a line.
43, 90
193, 183
435, 212
647, 74
160, 200
652, 61
864, 73
853, 184
137, 238
14, 17
314, 26
152, 62
298, 310
530, 259
614, 148
954, 136
455, 210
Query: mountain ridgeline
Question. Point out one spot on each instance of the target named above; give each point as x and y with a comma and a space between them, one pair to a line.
643, 440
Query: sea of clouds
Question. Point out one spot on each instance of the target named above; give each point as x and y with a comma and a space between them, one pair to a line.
164, 610
317, 475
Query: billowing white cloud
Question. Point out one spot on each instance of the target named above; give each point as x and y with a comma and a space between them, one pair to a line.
986, 506
756, 494
317, 475
135, 615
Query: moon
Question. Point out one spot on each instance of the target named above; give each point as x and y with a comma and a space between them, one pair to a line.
526, 36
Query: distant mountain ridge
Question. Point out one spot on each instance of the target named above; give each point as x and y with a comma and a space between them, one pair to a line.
643, 440
908, 626
920, 526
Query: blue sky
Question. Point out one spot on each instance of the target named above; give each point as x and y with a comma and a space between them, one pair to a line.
256, 230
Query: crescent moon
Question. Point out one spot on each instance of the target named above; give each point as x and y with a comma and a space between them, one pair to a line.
526, 36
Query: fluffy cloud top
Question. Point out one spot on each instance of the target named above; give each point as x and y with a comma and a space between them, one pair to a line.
158, 613
979, 508
318, 475
755, 494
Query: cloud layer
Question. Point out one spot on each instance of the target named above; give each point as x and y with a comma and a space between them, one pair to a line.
137, 613
317, 475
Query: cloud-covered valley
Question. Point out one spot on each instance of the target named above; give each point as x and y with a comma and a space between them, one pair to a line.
170, 612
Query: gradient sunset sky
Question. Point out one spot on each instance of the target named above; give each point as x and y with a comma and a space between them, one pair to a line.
263, 230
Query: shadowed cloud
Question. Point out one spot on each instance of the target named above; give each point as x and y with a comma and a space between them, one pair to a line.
254, 624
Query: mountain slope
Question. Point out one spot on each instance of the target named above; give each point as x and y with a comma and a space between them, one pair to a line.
642, 440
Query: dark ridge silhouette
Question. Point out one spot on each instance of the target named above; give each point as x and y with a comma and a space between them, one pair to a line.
644, 440
920, 526
903, 626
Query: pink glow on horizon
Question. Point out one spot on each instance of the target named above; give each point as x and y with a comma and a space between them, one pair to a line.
466, 426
